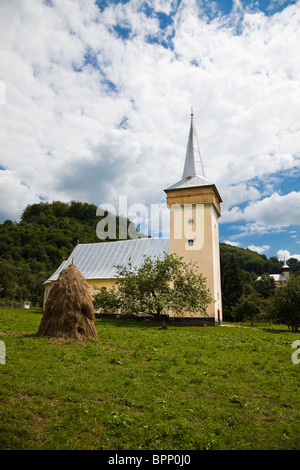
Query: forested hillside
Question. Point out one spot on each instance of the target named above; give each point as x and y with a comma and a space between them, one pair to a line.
240, 268
32, 249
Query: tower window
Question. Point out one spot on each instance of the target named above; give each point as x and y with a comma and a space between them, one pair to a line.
190, 242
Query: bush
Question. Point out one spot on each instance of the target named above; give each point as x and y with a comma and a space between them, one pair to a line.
247, 309
284, 306
106, 301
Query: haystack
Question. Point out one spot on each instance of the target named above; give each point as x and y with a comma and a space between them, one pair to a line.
69, 311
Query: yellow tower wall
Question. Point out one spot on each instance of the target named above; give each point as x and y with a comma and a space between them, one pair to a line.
202, 206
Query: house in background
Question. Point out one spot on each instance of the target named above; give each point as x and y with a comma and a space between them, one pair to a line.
283, 277
194, 204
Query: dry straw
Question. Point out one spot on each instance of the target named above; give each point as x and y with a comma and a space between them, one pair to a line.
69, 311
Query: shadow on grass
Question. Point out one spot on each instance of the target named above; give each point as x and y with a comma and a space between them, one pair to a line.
24, 334
128, 322
147, 323
271, 328
285, 330
35, 310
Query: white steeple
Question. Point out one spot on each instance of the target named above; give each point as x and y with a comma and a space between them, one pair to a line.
285, 269
193, 171
285, 265
195, 207
193, 163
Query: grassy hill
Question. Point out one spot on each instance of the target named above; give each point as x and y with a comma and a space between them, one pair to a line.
142, 387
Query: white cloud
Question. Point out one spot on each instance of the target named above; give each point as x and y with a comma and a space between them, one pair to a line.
253, 229
13, 195
232, 243
164, 6
259, 249
285, 254
275, 211
61, 132
240, 192
2, 92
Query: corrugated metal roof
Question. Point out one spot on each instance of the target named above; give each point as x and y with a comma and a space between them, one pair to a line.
99, 260
276, 277
190, 183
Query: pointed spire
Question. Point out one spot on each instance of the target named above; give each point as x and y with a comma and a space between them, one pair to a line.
193, 162
285, 265
285, 269
193, 171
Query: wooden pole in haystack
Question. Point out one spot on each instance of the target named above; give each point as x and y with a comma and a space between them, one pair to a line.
69, 310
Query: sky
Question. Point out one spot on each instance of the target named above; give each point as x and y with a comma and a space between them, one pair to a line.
96, 97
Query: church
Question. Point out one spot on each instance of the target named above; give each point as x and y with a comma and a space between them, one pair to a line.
283, 277
194, 204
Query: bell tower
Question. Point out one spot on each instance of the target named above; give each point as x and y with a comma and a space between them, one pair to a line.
194, 204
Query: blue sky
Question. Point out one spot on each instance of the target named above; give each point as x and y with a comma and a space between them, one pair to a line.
96, 98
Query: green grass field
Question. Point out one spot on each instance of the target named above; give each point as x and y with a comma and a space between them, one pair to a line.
142, 387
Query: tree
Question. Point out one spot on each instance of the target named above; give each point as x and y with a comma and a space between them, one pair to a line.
106, 301
284, 306
157, 287
265, 286
247, 308
7, 280
232, 283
